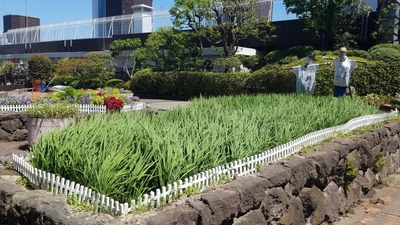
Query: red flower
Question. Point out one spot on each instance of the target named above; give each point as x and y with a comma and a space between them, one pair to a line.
113, 103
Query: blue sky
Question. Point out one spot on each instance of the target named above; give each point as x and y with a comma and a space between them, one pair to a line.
59, 11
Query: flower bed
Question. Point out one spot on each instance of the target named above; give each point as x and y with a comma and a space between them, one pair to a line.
100, 97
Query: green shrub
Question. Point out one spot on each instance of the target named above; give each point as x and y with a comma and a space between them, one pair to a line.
279, 56
388, 55
358, 53
368, 77
89, 83
188, 83
127, 85
63, 80
394, 46
75, 84
115, 83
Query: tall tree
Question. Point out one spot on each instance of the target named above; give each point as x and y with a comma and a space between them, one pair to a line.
168, 49
329, 19
386, 20
124, 49
222, 22
192, 15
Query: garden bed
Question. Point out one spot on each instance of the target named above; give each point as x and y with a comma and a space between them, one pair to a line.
129, 155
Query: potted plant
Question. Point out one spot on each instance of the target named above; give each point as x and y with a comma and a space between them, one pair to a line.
113, 104
44, 117
39, 70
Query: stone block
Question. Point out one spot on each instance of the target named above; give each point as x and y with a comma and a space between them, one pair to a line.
253, 217
224, 206
294, 214
251, 190
277, 175
274, 205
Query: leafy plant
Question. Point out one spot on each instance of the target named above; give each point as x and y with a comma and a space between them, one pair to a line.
24, 182
379, 163
350, 173
113, 103
49, 110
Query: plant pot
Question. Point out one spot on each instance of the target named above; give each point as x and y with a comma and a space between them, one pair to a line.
37, 85
38, 126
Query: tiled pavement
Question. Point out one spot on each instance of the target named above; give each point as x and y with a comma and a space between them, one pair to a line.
384, 214
378, 214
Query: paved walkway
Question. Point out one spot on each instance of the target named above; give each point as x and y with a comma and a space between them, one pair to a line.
384, 214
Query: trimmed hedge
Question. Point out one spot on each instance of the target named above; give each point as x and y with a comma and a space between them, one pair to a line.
388, 55
369, 77
115, 83
63, 80
193, 84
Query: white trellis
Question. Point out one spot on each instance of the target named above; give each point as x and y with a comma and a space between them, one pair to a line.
56, 184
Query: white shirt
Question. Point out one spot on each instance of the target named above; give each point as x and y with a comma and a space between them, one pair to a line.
305, 82
343, 70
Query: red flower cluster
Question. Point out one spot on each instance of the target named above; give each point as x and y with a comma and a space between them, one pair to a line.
113, 103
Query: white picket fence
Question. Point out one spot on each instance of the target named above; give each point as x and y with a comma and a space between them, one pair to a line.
89, 108
200, 181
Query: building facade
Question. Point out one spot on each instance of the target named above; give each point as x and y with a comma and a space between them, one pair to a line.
107, 8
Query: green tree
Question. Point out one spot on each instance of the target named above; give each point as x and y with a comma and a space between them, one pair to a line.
124, 49
103, 65
223, 23
233, 21
330, 19
386, 20
39, 67
192, 15
168, 49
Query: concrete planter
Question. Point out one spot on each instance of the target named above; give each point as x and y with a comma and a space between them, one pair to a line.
38, 126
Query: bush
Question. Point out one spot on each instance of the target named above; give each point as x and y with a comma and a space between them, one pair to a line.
39, 67
388, 55
89, 83
369, 77
115, 83
358, 53
188, 83
279, 56
127, 85
63, 80
394, 46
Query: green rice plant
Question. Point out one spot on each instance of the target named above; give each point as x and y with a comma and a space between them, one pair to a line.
127, 155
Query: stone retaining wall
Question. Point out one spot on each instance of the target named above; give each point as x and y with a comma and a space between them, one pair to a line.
307, 188
13, 126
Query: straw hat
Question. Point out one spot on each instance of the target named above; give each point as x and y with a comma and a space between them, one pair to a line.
343, 49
